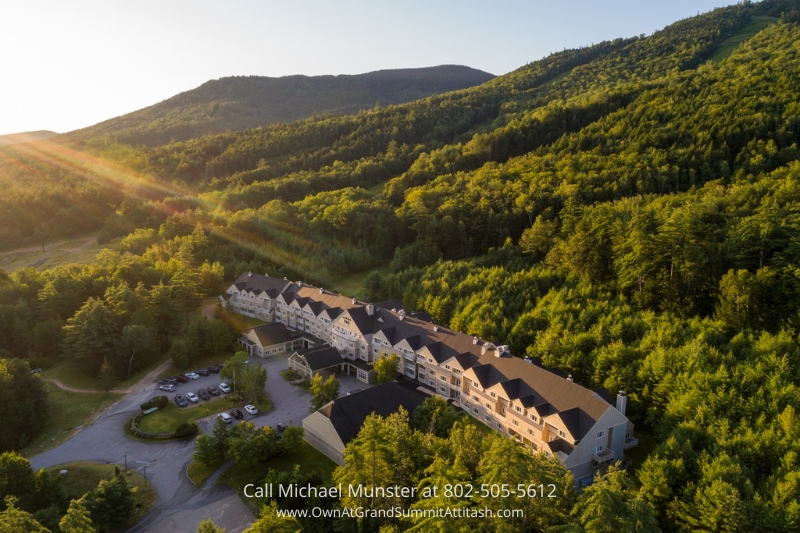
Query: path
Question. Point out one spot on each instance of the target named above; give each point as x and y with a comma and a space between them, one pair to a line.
70, 389
85, 243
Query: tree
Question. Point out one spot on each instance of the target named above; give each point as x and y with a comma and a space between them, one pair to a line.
386, 368
610, 505
91, 336
207, 526
291, 440
219, 438
107, 376
270, 522
111, 503
138, 341
77, 519
24, 399
248, 444
442, 474
435, 416
253, 380
204, 450
17, 480
323, 392
233, 366
14, 520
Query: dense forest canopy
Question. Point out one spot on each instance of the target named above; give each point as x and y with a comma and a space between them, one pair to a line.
628, 212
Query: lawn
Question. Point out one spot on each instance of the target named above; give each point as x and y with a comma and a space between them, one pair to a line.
76, 250
83, 476
309, 459
239, 322
199, 473
167, 419
72, 376
731, 43
353, 285
68, 411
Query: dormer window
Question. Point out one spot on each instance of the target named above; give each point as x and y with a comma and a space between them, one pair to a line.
534, 418
517, 408
493, 395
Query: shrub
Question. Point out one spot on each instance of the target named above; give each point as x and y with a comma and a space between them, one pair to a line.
187, 429
159, 401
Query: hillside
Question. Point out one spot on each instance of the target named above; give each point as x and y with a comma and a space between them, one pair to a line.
28, 136
243, 102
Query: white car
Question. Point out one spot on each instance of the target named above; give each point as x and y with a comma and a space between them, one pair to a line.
224, 387
225, 417
169, 387
192, 375
251, 409
192, 397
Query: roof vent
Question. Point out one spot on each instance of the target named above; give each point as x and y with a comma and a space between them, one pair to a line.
569, 378
370, 309
285, 278
402, 314
321, 290
249, 274
435, 328
484, 348
354, 300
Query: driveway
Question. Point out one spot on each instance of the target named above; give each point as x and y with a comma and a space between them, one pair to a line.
181, 506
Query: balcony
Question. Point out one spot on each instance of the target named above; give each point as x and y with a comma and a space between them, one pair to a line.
630, 442
604, 456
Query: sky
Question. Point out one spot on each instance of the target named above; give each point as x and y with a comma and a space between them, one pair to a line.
68, 65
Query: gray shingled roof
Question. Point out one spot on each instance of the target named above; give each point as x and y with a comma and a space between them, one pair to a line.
272, 334
347, 414
321, 357
258, 284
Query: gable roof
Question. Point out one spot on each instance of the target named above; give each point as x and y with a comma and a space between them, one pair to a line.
257, 284
347, 414
271, 334
321, 357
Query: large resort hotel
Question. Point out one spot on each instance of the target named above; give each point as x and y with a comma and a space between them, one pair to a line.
539, 407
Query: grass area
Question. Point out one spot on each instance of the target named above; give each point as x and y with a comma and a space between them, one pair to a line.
309, 459
76, 250
353, 285
67, 412
730, 44
83, 476
239, 322
72, 376
167, 419
199, 473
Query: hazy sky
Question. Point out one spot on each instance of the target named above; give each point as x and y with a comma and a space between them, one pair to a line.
70, 64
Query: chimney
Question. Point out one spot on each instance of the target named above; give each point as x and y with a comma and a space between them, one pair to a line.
622, 401
321, 290
249, 274
370, 309
474, 340
569, 378
266, 274
435, 328
284, 278
354, 301
484, 348
402, 314
300, 283
502, 349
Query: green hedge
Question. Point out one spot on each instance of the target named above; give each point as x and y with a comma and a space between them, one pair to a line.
159, 401
185, 430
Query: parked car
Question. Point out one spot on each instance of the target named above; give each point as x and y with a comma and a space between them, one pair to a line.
280, 427
215, 369
237, 414
203, 372
168, 387
203, 394
225, 417
181, 379
166, 381
192, 397
251, 409
192, 375
224, 387
213, 390
180, 401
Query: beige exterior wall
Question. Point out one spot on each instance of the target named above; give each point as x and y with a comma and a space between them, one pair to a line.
319, 432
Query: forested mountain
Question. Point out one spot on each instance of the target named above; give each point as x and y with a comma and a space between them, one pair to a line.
627, 212
25, 137
243, 102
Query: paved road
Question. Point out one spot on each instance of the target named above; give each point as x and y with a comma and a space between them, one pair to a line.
181, 506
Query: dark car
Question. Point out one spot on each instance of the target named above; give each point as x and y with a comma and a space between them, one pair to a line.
237, 414
168, 381
203, 394
215, 369
182, 379
180, 401
203, 372
280, 427
213, 390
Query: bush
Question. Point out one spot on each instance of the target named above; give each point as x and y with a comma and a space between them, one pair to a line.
159, 401
187, 429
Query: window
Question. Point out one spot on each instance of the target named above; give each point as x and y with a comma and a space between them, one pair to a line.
499, 425
597, 449
432, 372
517, 408
442, 389
534, 418
561, 434
475, 410
443, 378
430, 360
515, 422
488, 406
487, 418
530, 431
475, 398
346, 321
410, 372
447, 367
601, 434
493, 395
431, 383
362, 375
